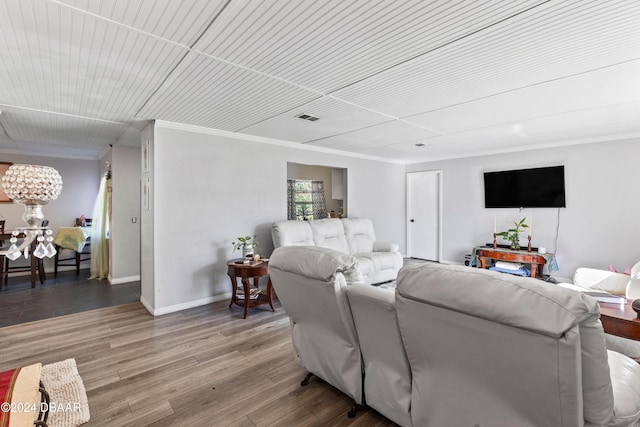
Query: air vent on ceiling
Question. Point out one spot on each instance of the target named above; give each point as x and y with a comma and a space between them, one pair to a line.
307, 117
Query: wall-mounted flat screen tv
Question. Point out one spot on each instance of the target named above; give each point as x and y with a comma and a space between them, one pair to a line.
525, 188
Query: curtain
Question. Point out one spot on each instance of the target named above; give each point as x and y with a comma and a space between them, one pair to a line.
99, 230
317, 200
291, 199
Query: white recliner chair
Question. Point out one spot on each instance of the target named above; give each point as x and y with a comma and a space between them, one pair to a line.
311, 284
387, 385
490, 349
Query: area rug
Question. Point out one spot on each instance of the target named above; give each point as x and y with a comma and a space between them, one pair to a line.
69, 406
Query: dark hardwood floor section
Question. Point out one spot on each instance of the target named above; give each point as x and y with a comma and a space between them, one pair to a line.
66, 294
204, 366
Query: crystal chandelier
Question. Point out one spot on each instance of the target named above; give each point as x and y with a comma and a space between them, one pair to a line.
33, 187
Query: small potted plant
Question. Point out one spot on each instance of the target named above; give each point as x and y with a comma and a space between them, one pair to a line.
513, 234
247, 245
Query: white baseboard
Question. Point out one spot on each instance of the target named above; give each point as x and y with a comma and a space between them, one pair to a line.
185, 305
120, 280
146, 304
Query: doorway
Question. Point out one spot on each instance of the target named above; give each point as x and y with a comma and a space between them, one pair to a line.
424, 213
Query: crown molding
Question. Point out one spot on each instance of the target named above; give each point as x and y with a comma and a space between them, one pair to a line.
271, 141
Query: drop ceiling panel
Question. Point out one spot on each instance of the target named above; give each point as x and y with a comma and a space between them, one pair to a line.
26, 126
608, 86
550, 42
387, 133
78, 151
613, 122
501, 74
330, 44
206, 92
181, 21
58, 59
335, 117
437, 147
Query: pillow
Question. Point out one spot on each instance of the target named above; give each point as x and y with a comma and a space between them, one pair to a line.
633, 287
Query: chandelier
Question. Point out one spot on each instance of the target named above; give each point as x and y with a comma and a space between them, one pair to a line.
33, 187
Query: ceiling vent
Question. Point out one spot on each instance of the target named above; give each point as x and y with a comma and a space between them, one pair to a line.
307, 117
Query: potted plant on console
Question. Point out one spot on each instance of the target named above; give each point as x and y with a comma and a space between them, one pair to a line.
513, 234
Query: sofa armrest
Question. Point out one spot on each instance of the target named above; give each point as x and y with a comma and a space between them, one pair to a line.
313, 262
385, 247
603, 280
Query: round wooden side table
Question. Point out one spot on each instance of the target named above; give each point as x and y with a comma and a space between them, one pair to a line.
249, 297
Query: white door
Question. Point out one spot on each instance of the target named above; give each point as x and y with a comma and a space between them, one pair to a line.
423, 214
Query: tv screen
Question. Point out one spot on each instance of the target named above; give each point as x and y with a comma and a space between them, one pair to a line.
525, 188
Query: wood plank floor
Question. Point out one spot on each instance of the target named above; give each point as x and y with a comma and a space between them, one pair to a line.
65, 294
200, 367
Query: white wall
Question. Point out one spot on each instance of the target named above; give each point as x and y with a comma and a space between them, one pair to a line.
147, 254
210, 188
125, 206
80, 183
598, 227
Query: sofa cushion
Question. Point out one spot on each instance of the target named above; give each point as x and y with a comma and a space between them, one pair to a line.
360, 235
632, 289
385, 247
329, 233
381, 261
523, 303
291, 233
603, 280
625, 380
373, 262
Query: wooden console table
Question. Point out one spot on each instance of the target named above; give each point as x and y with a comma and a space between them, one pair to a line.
620, 320
534, 259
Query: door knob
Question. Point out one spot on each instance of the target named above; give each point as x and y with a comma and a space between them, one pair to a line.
412, 220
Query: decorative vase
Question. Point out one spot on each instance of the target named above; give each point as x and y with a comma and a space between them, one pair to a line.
515, 245
247, 251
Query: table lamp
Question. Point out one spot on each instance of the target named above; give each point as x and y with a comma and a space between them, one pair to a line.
33, 187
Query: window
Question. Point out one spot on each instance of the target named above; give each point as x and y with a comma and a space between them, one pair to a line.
303, 199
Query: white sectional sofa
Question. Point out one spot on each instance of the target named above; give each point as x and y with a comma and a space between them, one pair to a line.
585, 279
454, 346
377, 261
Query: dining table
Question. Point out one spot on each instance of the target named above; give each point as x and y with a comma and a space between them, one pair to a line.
34, 264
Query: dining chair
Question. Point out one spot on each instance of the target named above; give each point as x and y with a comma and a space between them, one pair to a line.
77, 257
2, 222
